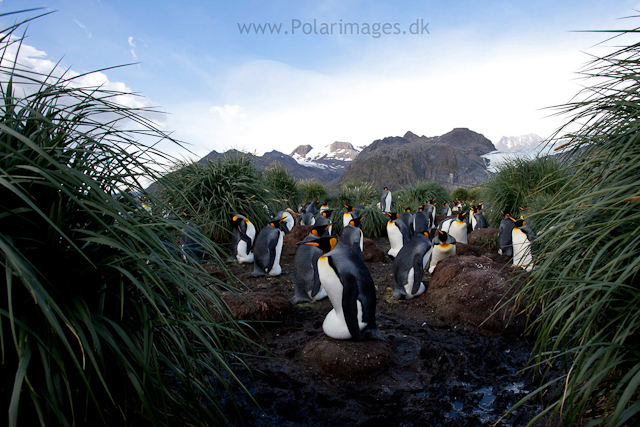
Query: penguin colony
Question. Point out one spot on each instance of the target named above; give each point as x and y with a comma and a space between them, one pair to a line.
333, 267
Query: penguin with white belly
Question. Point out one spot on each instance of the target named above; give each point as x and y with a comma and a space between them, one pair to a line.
267, 250
307, 219
352, 235
444, 245
351, 290
408, 267
242, 234
521, 237
385, 200
477, 218
505, 242
398, 234
323, 218
348, 215
430, 213
446, 210
305, 269
456, 227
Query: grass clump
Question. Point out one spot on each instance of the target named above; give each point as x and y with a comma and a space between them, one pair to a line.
589, 258
461, 194
519, 182
310, 189
418, 194
285, 185
358, 194
104, 320
214, 192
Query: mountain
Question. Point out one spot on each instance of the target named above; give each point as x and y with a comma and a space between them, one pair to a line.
453, 160
320, 173
516, 142
335, 156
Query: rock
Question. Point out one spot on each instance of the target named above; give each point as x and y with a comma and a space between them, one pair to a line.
348, 359
297, 234
464, 249
467, 289
373, 253
258, 305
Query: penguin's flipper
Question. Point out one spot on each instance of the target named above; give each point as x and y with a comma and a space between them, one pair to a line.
272, 254
350, 305
316, 275
247, 240
417, 270
526, 229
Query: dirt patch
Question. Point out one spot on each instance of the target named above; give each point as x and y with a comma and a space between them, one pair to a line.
435, 370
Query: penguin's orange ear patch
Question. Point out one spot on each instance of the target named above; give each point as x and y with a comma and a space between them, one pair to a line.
333, 242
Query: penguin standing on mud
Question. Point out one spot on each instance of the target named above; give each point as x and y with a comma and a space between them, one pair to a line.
505, 242
351, 290
408, 267
352, 235
521, 237
305, 269
430, 212
323, 218
385, 200
242, 234
443, 246
398, 234
456, 227
267, 250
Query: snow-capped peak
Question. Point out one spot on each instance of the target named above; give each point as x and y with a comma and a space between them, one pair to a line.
333, 155
522, 141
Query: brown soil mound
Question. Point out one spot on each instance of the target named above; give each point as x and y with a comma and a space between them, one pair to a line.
467, 290
372, 253
258, 305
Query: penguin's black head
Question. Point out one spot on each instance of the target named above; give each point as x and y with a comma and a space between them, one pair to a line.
505, 213
326, 243
421, 208
386, 189
407, 210
356, 221
443, 236
237, 220
318, 230
445, 204
349, 208
461, 216
328, 212
276, 222
520, 222
392, 215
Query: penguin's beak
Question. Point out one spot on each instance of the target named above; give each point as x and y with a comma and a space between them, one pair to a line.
308, 243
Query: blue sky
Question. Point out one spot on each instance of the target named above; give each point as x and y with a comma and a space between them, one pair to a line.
491, 66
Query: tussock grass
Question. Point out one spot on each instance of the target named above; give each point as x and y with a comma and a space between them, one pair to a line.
102, 322
587, 277
310, 189
418, 194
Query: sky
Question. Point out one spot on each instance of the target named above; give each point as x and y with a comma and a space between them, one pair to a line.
494, 67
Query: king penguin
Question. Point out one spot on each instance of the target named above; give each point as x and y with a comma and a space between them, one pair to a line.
505, 242
385, 200
242, 234
307, 219
351, 290
443, 246
430, 212
420, 221
398, 234
352, 235
267, 250
323, 218
348, 215
408, 267
287, 221
305, 268
407, 218
477, 218
312, 208
456, 227
521, 236
446, 210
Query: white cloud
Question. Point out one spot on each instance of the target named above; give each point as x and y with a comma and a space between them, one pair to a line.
229, 112
131, 43
81, 25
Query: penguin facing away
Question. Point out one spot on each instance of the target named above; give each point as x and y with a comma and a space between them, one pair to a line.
385, 200
444, 245
446, 210
408, 267
312, 207
398, 234
350, 289
505, 242
267, 250
456, 227
521, 236
323, 218
242, 234
430, 213
420, 221
407, 218
352, 235
306, 281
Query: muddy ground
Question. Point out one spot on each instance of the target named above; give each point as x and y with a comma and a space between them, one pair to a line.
441, 367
